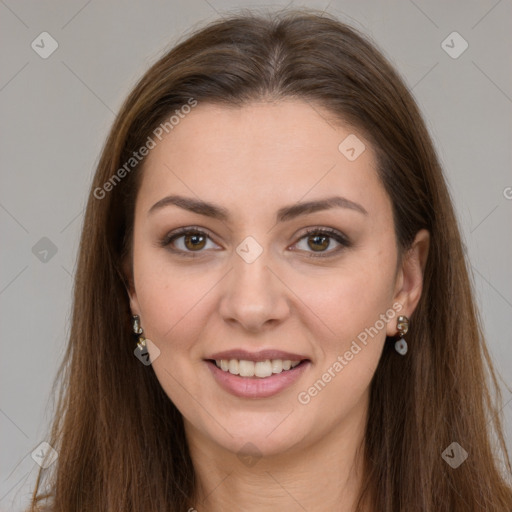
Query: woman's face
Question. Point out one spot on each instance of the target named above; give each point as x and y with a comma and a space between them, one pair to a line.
248, 279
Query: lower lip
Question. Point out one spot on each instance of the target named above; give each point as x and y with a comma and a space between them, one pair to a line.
257, 387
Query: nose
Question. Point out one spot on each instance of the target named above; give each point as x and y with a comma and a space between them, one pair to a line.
254, 296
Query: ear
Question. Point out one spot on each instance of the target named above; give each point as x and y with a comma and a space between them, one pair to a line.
130, 286
409, 280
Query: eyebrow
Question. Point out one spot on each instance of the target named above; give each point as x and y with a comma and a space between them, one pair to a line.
283, 214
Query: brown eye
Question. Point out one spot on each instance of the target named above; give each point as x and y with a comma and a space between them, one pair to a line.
318, 242
188, 242
322, 242
194, 241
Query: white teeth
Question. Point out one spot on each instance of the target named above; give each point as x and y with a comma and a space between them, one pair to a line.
245, 368
233, 366
277, 365
261, 369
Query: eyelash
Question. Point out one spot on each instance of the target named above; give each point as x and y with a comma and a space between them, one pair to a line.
331, 233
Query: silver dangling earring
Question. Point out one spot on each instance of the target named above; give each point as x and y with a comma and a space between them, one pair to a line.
137, 329
403, 326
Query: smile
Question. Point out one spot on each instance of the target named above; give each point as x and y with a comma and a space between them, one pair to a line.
256, 379
261, 369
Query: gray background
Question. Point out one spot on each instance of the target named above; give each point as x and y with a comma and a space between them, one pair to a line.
56, 113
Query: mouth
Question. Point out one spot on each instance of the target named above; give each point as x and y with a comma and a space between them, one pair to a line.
256, 369
256, 378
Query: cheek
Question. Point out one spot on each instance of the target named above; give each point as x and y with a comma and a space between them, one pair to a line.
169, 300
158, 291
355, 306
353, 297
348, 360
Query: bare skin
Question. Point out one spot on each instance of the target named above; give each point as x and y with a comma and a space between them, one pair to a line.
252, 161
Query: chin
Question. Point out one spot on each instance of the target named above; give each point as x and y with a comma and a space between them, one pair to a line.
257, 436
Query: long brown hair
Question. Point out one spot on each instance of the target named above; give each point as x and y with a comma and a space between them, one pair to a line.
112, 410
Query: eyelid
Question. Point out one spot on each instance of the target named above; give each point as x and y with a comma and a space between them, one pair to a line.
338, 236
332, 233
166, 241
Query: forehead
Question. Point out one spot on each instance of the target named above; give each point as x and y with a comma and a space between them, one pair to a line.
285, 150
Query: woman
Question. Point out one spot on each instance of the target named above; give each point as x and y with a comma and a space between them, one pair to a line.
270, 220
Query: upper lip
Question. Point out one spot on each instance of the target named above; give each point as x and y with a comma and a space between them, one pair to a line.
262, 355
